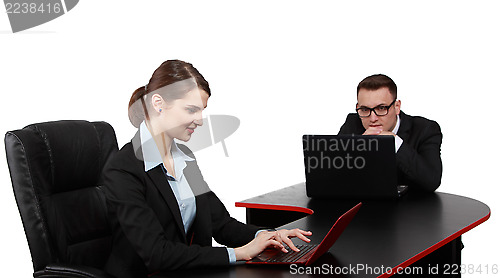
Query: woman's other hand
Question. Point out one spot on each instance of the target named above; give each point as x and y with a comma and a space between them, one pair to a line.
284, 235
266, 239
263, 240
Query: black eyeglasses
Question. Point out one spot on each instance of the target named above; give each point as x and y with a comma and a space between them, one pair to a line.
380, 110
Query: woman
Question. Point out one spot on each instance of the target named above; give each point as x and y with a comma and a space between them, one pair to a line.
163, 213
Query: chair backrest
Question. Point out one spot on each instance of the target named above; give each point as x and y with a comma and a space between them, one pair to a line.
55, 169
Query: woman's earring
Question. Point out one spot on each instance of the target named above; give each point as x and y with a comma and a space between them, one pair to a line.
160, 110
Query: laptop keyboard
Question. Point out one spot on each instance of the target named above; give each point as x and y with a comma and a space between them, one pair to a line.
292, 256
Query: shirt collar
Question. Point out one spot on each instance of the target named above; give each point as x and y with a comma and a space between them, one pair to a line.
396, 128
151, 155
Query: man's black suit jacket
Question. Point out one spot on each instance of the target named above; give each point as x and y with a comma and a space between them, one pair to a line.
148, 232
419, 158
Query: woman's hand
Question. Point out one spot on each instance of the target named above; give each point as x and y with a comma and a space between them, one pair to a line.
263, 240
266, 239
284, 235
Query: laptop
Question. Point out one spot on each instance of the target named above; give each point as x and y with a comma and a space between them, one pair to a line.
308, 253
351, 167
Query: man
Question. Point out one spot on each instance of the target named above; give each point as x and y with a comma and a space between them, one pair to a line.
417, 139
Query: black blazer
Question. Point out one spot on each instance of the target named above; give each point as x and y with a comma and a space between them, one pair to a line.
419, 158
148, 233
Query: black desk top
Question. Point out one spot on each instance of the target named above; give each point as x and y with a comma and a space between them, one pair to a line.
384, 235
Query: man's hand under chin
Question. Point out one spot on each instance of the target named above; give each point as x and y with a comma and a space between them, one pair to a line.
377, 131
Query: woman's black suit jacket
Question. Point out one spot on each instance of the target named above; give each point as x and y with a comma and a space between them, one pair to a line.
148, 233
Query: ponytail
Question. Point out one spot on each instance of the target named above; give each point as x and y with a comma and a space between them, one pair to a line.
137, 110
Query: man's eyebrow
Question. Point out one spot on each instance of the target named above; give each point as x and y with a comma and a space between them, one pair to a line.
382, 104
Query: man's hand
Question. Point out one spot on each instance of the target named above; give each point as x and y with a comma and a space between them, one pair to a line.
377, 131
373, 130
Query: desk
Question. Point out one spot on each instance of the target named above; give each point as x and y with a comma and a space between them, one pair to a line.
384, 236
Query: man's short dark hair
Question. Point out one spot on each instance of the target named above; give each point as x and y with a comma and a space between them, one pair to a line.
377, 81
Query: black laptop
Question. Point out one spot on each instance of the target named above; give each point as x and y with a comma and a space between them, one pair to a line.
351, 167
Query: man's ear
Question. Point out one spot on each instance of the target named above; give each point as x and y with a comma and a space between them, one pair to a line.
397, 106
156, 102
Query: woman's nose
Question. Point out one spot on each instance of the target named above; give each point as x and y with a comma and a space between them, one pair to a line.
199, 120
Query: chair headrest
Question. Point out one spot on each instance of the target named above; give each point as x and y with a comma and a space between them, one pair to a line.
76, 152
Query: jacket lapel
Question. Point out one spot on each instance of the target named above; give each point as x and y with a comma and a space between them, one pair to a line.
158, 177
404, 126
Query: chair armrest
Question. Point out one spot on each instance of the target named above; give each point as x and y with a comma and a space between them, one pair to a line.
70, 271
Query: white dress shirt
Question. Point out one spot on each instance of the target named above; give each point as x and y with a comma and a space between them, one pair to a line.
397, 140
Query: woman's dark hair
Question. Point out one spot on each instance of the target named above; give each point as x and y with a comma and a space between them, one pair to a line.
167, 73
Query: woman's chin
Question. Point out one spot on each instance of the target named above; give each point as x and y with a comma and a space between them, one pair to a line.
184, 138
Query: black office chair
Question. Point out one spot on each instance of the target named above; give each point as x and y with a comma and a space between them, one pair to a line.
55, 168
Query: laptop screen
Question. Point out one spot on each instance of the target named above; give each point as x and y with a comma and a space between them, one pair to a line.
350, 166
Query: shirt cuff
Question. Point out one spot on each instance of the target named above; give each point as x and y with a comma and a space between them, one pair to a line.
232, 255
398, 142
256, 233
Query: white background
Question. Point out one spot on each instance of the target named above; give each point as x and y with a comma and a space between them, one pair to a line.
284, 68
